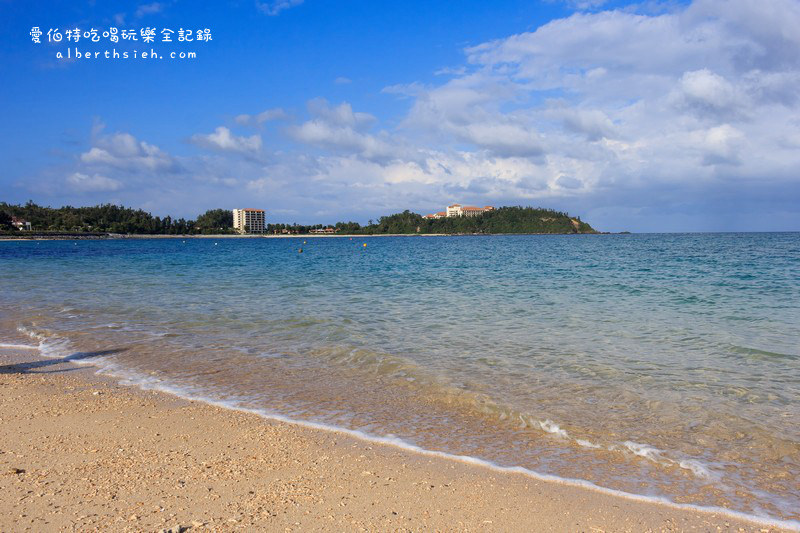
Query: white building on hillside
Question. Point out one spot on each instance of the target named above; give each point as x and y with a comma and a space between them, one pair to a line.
458, 210
454, 210
249, 220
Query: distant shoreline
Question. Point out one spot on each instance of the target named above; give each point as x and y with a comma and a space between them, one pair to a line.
113, 236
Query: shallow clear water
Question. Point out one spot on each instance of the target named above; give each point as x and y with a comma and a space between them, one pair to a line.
654, 364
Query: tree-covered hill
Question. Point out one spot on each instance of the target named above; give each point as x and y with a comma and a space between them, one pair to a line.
501, 220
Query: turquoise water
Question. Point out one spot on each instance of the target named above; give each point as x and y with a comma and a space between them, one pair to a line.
661, 365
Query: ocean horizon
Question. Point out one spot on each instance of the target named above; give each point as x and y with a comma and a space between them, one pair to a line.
663, 365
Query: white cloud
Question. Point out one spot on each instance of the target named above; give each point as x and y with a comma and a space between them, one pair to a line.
223, 140
274, 7
341, 128
265, 116
271, 114
124, 151
466, 110
505, 139
86, 183
405, 89
149, 9
721, 145
585, 4
704, 92
593, 124
341, 115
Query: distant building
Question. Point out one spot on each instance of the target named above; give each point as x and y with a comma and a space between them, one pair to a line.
249, 220
470, 211
20, 224
458, 210
323, 231
454, 210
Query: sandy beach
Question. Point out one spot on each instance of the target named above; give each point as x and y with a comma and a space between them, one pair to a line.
80, 452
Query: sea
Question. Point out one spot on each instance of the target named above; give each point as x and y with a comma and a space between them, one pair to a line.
654, 366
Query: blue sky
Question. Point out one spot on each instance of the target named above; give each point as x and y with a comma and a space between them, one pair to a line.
649, 116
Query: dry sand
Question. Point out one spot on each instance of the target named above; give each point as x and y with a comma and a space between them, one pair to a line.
78, 452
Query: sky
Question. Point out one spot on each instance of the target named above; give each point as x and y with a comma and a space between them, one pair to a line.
639, 116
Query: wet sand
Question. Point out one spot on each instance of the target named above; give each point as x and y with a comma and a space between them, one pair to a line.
79, 452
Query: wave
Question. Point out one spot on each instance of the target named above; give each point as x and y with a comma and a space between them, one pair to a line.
18, 346
186, 393
657, 456
410, 373
761, 354
52, 346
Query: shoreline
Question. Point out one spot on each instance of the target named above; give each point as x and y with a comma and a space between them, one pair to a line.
366, 476
266, 236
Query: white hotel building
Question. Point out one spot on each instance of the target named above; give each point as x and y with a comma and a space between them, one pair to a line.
458, 210
249, 220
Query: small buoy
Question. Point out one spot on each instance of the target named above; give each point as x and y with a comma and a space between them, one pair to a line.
304, 242
300, 251
184, 242
216, 243
365, 245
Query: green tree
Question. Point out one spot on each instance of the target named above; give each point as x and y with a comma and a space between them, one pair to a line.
215, 221
5, 222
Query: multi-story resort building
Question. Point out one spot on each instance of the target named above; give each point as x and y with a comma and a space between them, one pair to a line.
248, 220
458, 210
